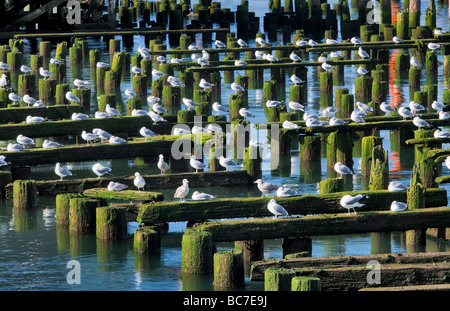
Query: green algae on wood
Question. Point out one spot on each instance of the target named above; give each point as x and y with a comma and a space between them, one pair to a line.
146, 240
228, 269
278, 279
111, 223
24, 194
196, 252
63, 206
306, 284
133, 195
82, 214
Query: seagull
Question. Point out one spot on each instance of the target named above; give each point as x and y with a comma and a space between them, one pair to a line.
295, 58
202, 62
301, 42
420, 123
102, 65
115, 186
336, 121
289, 125
195, 57
241, 43
237, 88
270, 58
397, 40
219, 108
116, 140
129, 93
39, 103
88, 137
136, 70
48, 144
397, 186
3, 81
139, 181
364, 107
25, 69
72, 97
205, 55
45, 73
311, 42
198, 165
219, 44
437, 106
296, 79
62, 171
441, 134
296, 106
327, 67
189, 103
102, 134
156, 117
200, 196
101, 115
80, 83
176, 60
414, 62
175, 82
144, 52
444, 115
272, 103
24, 140
398, 206
14, 147
335, 54
153, 99
198, 129
138, 113
161, 59
29, 100
357, 117
363, 54
180, 131
286, 192
240, 63
162, 165
245, 113
416, 107
323, 59
14, 98
405, 113
111, 110
439, 32
4, 66
329, 111
158, 74
331, 41
355, 41
227, 162
3, 161
147, 133
342, 169
193, 47
386, 108
100, 170
205, 84
31, 119
266, 187
276, 209
182, 191
312, 122
362, 71
261, 41
77, 116
350, 202
433, 46
259, 54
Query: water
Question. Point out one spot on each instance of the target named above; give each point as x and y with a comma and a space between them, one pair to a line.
35, 251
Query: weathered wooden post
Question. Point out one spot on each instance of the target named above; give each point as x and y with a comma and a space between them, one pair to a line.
252, 250
82, 214
326, 89
278, 279
196, 252
228, 269
306, 284
310, 153
146, 240
111, 223
63, 207
331, 185
24, 194
252, 162
47, 90
367, 145
379, 173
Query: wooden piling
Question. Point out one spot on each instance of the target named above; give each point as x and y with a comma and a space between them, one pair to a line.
196, 252
331, 185
82, 214
306, 284
326, 89
47, 90
146, 240
111, 223
24, 194
63, 207
278, 279
228, 269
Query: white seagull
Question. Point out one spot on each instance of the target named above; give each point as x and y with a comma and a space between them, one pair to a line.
295, 58
327, 67
14, 147
136, 70
33, 119
405, 113
162, 165
115, 186
242, 43
156, 117
100, 170
420, 123
189, 103
3, 80
200, 196
355, 41
386, 108
48, 144
437, 106
296, 106
342, 169
72, 97
397, 40
198, 165
350, 202
147, 133
245, 113
276, 209
398, 206
24, 140
129, 93
45, 73
227, 162
111, 110
362, 71
283, 192
116, 140
25, 69
139, 181
363, 54
182, 191
14, 98
237, 88
414, 62
80, 83
289, 125
29, 100
219, 108
397, 186
261, 41
88, 137
62, 171
219, 44
266, 187
296, 79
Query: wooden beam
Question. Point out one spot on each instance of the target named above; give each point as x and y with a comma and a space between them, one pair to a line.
35, 14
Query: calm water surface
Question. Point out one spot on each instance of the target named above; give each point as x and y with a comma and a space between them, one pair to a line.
34, 251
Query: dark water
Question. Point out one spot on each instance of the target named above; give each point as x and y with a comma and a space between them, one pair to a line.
34, 251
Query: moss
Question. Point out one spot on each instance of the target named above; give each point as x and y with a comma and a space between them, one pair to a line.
278, 279
304, 283
196, 252
133, 195
111, 223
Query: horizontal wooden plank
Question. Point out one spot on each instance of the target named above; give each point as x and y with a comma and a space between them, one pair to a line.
56, 112
124, 195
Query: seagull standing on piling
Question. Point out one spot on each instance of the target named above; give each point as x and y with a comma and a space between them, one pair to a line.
144, 52
24, 140
45, 73
88, 137
350, 202
14, 147
259, 54
397, 40
129, 93
272, 103
4, 66
25, 69
189, 103
62, 171
245, 113
270, 58
175, 82
147, 133
137, 71
14, 98
242, 43
414, 62
111, 110
364, 107
72, 97
100, 170
202, 62
80, 83
444, 115
227, 162
102, 134
31, 119
312, 43
139, 181
301, 42
158, 74
296, 106
261, 41
158, 108
240, 63
276, 209
29, 100
441, 134
362, 71
48, 144
295, 58
437, 106
219, 108
416, 107
205, 84
433, 46
327, 67
198, 165
156, 117
102, 65
337, 121
162, 165
358, 116
237, 88
3, 81
342, 169
115, 186
329, 111
296, 79
398, 206
182, 191
405, 113
355, 41
289, 125
266, 187
219, 44
386, 108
